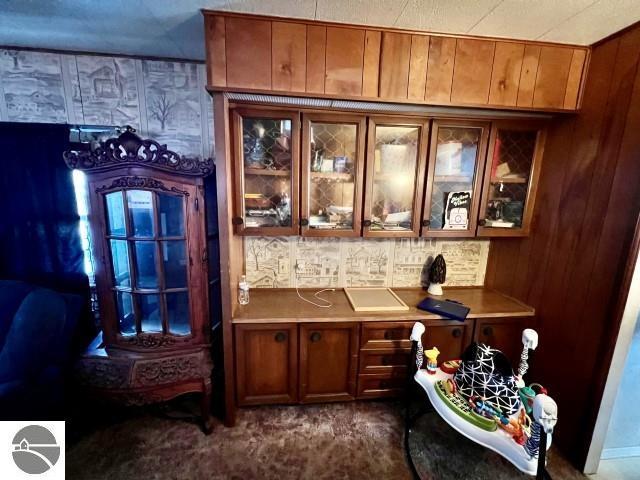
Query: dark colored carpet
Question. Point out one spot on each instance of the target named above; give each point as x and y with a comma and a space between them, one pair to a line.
357, 440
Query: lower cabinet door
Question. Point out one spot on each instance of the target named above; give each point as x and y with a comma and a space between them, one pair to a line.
266, 363
328, 361
451, 340
504, 334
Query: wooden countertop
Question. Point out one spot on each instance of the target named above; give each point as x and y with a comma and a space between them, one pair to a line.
270, 305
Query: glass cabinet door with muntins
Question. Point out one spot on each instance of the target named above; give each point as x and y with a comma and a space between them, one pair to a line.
510, 178
266, 149
456, 163
396, 157
148, 284
332, 166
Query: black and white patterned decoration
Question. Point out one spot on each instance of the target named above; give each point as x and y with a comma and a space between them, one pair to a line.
485, 372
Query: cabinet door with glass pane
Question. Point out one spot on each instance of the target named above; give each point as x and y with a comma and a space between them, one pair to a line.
151, 281
266, 151
332, 166
396, 157
454, 178
511, 178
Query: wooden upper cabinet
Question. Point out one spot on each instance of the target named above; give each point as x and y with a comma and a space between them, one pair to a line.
289, 56
333, 147
511, 178
266, 153
457, 156
394, 65
472, 72
396, 157
344, 60
249, 52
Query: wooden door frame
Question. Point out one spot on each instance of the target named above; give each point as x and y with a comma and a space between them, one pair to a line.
423, 143
532, 188
238, 169
480, 167
336, 118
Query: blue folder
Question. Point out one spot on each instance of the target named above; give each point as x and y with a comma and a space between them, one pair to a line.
445, 308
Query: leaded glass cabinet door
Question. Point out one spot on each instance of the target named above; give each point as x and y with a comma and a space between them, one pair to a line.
511, 178
332, 166
396, 157
266, 151
454, 178
152, 275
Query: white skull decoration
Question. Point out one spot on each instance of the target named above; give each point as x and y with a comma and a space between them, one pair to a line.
545, 412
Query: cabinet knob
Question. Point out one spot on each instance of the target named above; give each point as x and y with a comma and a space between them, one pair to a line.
457, 332
237, 221
388, 335
384, 384
482, 222
487, 331
304, 222
366, 223
280, 337
385, 361
426, 223
315, 337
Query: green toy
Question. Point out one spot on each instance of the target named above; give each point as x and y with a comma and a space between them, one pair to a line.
461, 407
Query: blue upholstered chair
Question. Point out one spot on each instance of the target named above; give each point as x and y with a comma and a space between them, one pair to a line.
36, 330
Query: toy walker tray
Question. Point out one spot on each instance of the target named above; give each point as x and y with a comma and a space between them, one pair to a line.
498, 440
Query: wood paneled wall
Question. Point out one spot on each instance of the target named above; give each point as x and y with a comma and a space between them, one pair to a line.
570, 268
252, 53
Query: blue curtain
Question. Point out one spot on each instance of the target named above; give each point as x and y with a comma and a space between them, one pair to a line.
39, 237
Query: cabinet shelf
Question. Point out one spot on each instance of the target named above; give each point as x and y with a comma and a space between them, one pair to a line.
509, 180
453, 179
267, 172
341, 177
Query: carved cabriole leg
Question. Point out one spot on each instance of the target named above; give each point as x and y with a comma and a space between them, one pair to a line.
207, 421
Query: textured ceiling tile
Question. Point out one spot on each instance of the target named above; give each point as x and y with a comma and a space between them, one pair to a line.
527, 19
444, 16
596, 22
366, 12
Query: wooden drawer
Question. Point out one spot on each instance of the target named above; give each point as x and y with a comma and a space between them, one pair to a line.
381, 385
504, 334
386, 335
384, 360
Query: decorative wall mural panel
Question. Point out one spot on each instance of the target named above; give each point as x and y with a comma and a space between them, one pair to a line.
268, 261
411, 259
166, 101
319, 261
109, 91
332, 262
172, 95
32, 84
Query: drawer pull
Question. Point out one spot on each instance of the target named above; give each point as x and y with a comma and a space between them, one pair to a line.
280, 337
487, 331
304, 222
237, 221
366, 223
457, 332
315, 337
384, 384
385, 361
388, 335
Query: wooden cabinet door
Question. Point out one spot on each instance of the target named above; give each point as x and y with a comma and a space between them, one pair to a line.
266, 363
328, 361
396, 157
332, 174
454, 179
451, 339
504, 334
266, 151
511, 178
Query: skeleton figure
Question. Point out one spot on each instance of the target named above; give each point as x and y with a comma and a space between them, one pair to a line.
529, 342
545, 413
416, 336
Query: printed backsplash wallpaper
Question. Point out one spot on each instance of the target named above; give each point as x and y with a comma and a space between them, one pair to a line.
164, 100
270, 261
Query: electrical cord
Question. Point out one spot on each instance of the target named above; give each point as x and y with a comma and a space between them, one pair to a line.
329, 304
